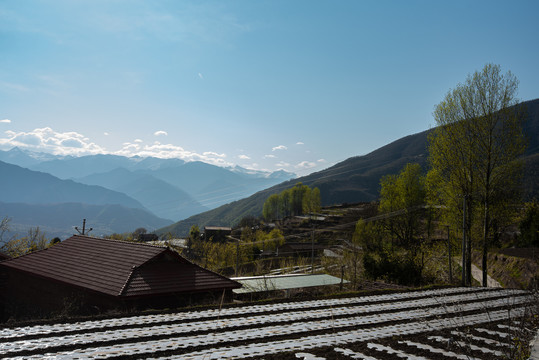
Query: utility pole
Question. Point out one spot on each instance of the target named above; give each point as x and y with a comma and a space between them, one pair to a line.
449, 256
464, 262
83, 232
237, 256
312, 250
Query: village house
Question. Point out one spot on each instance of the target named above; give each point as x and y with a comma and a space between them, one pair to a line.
216, 233
100, 274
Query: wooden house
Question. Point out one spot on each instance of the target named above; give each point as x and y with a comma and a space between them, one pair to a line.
101, 274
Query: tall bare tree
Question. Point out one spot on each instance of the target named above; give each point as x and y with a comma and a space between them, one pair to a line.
474, 152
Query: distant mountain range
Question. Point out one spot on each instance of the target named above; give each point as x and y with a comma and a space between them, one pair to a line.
160, 197
119, 194
357, 179
162, 189
21, 185
59, 220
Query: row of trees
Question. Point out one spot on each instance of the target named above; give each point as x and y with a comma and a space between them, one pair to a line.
298, 200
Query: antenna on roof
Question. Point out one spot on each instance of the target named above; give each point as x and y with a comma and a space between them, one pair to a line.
83, 228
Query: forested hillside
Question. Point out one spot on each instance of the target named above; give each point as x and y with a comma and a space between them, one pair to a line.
357, 179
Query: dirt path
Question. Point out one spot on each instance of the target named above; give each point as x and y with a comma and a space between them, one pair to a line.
477, 274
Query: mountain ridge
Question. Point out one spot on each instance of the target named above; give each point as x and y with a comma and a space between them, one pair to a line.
34, 187
192, 187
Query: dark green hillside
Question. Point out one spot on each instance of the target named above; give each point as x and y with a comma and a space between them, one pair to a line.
357, 179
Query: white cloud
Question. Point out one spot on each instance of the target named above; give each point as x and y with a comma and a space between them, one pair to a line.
106, 133
75, 144
282, 164
244, 157
300, 143
48, 140
321, 160
305, 165
5, 121
160, 132
211, 153
169, 151
269, 156
129, 148
280, 147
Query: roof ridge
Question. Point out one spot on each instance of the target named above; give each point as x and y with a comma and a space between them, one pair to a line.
129, 277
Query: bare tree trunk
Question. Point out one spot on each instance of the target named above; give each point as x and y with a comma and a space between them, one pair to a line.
485, 245
464, 242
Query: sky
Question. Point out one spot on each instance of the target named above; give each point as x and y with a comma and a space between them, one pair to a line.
297, 85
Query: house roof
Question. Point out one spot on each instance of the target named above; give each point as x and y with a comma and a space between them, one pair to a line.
283, 282
217, 228
119, 268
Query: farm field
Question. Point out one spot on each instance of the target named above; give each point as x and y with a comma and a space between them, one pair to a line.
451, 323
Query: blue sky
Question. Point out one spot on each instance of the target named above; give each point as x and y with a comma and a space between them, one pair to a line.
294, 85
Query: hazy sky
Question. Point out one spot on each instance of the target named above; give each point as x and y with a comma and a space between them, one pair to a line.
297, 85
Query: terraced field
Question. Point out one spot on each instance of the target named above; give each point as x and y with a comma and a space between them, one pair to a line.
453, 323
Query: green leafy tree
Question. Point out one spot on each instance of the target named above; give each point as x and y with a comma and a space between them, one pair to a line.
138, 233
405, 194
298, 200
365, 240
473, 153
285, 201
529, 226
272, 207
297, 193
311, 201
194, 238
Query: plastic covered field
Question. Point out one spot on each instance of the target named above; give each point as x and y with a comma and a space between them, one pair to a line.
459, 323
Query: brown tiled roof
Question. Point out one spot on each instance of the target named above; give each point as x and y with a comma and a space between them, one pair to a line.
166, 277
119, 268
